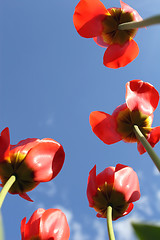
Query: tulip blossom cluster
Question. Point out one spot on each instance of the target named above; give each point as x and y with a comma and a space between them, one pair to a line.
31, 160
114, 186
92, 20
141, 101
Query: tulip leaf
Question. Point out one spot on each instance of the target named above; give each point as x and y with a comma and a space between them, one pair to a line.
146, 231
1, 228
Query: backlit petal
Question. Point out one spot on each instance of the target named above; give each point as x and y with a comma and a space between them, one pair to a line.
88, 16
153, 139
117, 56
54, 225
127, 8
126, 182
91, 186
141, 96
4, 145
107, 175
100, 42
104, 126
45, 159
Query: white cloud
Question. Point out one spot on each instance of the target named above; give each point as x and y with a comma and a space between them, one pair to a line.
77, 232
155, 171
145, 206
100, 229
123, 228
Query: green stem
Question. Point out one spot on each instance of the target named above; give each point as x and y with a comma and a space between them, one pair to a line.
144, 23
6, 188
147, 146
109, 223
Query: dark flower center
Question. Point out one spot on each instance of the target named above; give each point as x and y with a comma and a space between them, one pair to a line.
126, 121
107, 196
111, 34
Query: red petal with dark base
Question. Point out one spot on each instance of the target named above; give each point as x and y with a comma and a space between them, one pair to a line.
153, 139
92, 186
142, 96
117, 56
88, 16
45, 159
4, 145
104, 126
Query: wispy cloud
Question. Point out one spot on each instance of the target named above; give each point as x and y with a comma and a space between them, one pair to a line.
100, 229
155, 171
145, 206
123, 228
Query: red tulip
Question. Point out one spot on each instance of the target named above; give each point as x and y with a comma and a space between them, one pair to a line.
45, 225
31, 160
141, 101
92, 20
114, 186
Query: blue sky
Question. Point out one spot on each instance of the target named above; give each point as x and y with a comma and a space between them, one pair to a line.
50, 81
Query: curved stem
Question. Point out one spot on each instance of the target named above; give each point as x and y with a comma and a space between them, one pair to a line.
109, 223
144, 23
147, 146
6, 188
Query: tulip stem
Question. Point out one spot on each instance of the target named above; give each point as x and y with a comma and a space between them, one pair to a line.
6, 188
143, 23
109, 223
147, 146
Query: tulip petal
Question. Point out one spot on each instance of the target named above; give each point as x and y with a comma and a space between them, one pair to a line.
88, 16
5, 145
153, 139
25, 196
126, 182
99, 41
92, 186
24, 146
129, 209
127, 8
117, 56
53, 225
106, 176
104, 126
142, 96
45, 159
31, 229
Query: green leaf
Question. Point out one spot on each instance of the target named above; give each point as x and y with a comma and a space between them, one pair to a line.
1, 227
146, 231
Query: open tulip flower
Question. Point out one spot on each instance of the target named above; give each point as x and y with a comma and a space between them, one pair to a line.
31, 161
117, 187
141, 101
92, 20
46, 225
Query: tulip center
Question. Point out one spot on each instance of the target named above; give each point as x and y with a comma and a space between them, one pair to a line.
127, 119
111, 34
24, 175
107, 196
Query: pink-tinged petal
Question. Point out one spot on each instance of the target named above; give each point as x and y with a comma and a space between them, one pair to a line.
142, 96
91, 186
54, 225
107, 175
5, 145
127, 8
45, 159
31, 229
25, 196
99, 41
129, 209
104, 126
118, 110
117, 56
24, 146
88, 16
126, 182
153, 139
